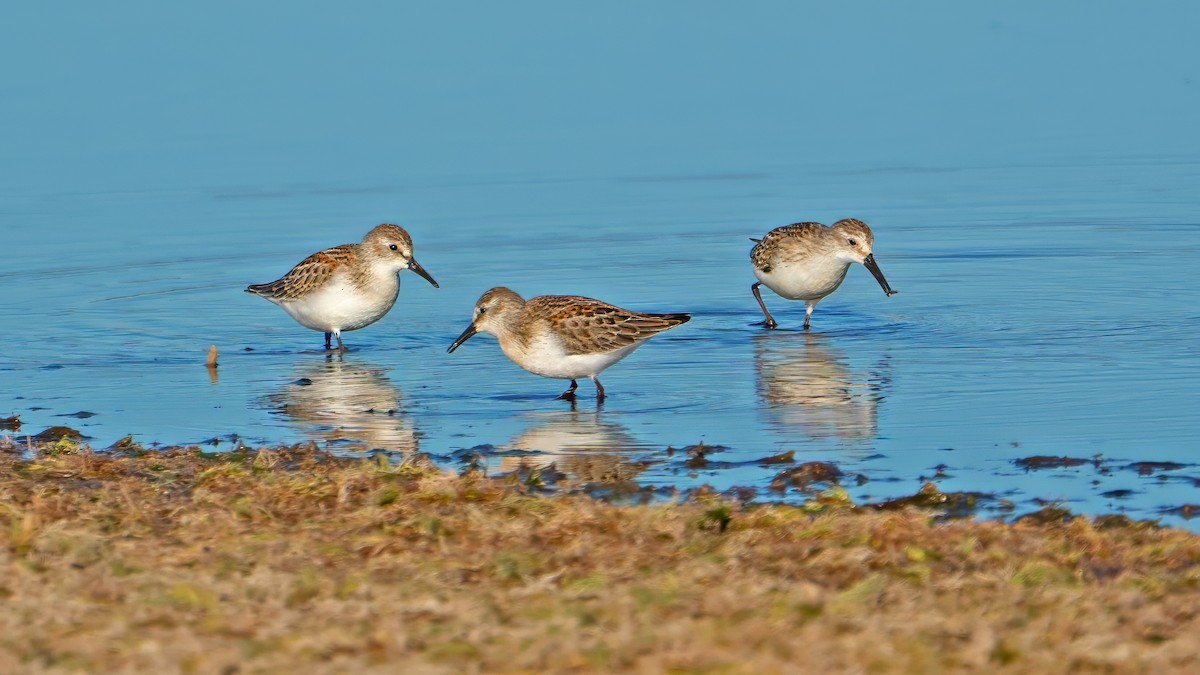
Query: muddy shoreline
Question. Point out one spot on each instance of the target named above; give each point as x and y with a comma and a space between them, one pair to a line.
273, 558
616, 476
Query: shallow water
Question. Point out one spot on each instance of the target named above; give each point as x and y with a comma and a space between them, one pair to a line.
1043, 244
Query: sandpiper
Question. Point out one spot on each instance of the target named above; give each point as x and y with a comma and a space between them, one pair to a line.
808, 261
563, 336
346, 287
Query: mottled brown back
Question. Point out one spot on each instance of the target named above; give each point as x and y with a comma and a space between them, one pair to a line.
588, 326
310, 274
768, 250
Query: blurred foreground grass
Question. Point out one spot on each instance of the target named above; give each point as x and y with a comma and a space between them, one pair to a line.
290, 559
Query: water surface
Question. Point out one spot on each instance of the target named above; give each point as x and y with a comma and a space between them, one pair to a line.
1032, 193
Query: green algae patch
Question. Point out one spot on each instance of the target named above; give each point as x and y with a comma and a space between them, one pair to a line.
277, 559
953, 504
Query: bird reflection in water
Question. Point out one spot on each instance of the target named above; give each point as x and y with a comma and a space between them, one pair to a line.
581, 445
810, 390
346, 406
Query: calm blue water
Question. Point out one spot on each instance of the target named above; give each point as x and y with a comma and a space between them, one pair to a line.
1031, 174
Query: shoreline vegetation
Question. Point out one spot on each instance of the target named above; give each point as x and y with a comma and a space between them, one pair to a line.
260, 560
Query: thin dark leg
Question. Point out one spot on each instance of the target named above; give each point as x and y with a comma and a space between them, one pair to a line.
599, 391
328, 336
341, 347
770, 322
808, 310
569, 394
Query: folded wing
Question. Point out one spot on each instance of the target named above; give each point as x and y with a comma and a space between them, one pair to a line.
312, 272
588, 326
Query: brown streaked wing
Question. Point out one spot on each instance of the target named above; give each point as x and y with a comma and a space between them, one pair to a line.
588, 326
765, 253
307, 276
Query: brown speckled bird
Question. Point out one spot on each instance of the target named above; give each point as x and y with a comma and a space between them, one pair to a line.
346, 287
808, 261
563, 336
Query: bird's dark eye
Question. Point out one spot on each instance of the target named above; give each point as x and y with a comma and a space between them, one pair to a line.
852, 242
483, 310
392, 246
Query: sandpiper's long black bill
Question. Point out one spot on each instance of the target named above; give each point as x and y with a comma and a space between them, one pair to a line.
869, 263
466, 335
416, 267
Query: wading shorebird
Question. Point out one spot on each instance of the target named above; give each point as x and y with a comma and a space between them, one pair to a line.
808, 261
563, 336
346, 287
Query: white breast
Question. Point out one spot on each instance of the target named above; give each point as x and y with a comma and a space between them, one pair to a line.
339, 305
545, 356
808, 280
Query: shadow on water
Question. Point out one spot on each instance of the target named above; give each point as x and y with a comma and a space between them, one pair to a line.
585, 445
345, 405
572, 432
808, 389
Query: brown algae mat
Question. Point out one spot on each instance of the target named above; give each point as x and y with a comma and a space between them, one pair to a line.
290, 559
